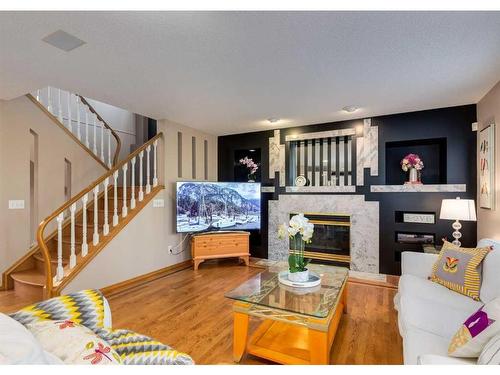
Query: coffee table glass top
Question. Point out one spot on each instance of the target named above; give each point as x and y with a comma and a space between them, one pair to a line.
265, 289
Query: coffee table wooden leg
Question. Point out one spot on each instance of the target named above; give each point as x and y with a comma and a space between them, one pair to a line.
318, 347
240, 333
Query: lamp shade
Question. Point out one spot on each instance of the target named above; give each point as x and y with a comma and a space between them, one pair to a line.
458, 209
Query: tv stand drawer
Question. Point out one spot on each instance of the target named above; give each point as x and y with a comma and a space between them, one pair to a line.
220, 245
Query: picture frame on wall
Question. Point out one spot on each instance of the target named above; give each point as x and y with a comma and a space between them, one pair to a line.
487, 167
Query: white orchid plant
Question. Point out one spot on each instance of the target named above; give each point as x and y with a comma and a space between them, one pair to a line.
300, 231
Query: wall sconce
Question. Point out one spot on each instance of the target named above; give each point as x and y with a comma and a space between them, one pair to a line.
359, 130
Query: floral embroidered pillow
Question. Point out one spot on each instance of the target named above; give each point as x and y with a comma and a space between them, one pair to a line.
476, 331
459, 269
73, 343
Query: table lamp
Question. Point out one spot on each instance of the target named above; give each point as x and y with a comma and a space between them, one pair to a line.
458, 209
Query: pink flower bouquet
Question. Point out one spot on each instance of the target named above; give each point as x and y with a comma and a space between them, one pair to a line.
412, 161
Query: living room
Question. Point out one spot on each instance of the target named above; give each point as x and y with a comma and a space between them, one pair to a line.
224, 187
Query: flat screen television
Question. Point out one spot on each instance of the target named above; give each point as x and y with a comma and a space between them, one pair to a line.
212, 206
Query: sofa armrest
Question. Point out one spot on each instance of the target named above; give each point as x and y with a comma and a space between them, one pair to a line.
417, 264
108, 323
434, 359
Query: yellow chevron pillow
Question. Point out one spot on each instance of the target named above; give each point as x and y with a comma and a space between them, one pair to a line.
459, 269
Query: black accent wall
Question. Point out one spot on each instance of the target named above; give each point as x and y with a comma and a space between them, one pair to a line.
454, 144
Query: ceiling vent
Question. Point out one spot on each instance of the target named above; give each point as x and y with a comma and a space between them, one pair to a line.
64, 41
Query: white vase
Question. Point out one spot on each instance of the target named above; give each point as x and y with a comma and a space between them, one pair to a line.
299, 277
413, 176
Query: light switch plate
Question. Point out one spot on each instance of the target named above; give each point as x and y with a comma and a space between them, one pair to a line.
158, 202
16, 204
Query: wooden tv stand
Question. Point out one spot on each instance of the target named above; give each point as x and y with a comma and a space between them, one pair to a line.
214, 245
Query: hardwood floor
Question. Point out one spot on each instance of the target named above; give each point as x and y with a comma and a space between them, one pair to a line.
188, 311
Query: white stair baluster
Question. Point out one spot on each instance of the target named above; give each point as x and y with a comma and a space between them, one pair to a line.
132, 183
49, 101
102, 141
95, 238
59, 105
115, 199
72, 257
95, 134
70, 125
38, 95
60, 270
85, 246
155, 175
124, 208
105, 228
141, 182
110, 162
148, 186
78, 131
87, 128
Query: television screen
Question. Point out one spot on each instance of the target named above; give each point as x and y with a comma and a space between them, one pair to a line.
207, 206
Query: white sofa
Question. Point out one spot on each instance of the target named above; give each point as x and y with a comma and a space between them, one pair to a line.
430, 314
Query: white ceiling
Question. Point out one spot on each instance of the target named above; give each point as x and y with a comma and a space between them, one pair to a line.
226, 72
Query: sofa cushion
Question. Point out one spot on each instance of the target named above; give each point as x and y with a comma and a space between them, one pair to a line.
136, 349
417, 342
17, 344
432, 316
86, 307
490, 288
491, 352
479, 328
73, 343
459, 269
413, 286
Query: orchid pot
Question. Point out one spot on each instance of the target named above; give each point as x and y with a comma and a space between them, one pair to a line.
299, 231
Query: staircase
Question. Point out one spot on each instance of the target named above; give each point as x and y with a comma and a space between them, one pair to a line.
77, 231
80, 120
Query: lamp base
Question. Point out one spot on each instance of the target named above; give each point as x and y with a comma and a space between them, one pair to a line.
456, 234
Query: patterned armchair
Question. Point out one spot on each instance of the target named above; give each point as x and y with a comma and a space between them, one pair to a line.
91, 309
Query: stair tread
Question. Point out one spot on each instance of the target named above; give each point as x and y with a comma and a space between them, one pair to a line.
31, 277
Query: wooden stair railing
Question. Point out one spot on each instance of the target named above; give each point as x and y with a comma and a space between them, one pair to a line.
81, 121
99, 222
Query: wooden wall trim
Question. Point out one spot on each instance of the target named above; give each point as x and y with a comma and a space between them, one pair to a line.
123, 286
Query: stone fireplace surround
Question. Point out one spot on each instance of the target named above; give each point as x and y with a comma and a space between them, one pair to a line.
364, 224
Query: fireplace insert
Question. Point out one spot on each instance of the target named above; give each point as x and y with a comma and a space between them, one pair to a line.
331, 242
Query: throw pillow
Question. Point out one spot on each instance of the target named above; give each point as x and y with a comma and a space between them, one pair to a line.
73, 343
477, 331
491, 352
459, 269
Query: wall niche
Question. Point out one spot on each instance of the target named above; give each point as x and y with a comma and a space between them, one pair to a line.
431, 151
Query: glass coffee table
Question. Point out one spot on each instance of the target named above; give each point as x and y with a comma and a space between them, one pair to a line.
298, 325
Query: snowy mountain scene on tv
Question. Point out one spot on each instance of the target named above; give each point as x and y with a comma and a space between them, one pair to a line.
206, 206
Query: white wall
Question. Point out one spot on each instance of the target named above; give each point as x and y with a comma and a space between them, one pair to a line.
17, 117
142, 246
488, 112
122, 122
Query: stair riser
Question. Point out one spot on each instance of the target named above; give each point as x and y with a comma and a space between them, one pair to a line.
29, 291
40, 265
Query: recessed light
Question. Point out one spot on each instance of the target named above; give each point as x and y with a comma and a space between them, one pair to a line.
251, 150
350, 108
273, 120
64, 41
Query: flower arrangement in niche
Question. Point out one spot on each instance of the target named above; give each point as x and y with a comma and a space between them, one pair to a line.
413, 164
251, 166
299, 231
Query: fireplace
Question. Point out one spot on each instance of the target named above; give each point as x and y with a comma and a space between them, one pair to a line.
331, 242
